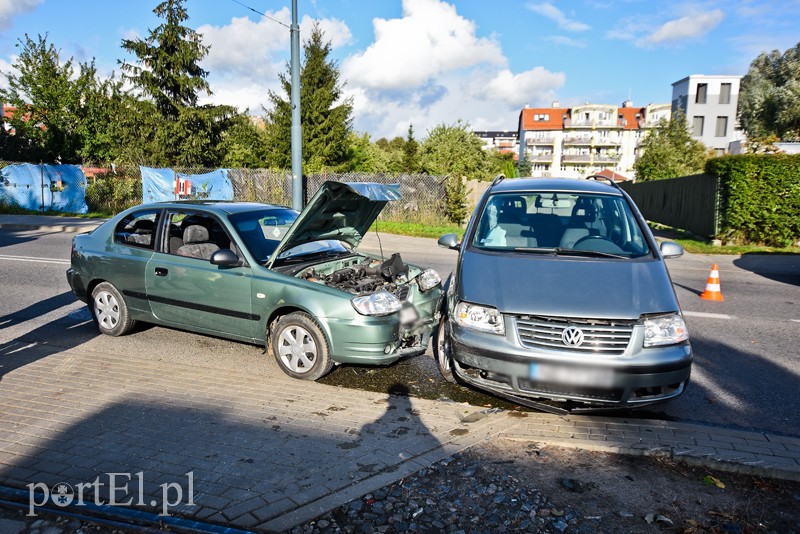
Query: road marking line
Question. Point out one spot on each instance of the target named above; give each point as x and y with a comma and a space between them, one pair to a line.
34, 260
708, 315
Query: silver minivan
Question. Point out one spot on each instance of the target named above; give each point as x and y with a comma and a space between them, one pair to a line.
560, 292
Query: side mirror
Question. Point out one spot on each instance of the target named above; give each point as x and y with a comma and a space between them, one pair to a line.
449, 241
225, 258
670, 249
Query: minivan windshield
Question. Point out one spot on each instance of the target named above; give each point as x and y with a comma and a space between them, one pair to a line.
573, 223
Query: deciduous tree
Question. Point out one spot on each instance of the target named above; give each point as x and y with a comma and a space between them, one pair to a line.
669, 151
769, 97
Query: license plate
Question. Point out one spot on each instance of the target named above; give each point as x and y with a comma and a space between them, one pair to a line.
576, 376
408, 315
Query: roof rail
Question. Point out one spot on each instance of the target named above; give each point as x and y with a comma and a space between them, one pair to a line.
598, 177
499, 178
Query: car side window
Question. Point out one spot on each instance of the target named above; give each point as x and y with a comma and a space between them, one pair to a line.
138, 229
196, 235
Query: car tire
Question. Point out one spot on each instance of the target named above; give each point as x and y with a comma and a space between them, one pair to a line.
442, 353
109, 311
300, 347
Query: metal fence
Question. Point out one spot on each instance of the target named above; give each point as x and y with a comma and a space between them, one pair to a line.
690, 203
111, 190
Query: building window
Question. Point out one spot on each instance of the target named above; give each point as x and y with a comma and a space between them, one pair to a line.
702, 90
541, 117
722, 127
697, 126
725, 93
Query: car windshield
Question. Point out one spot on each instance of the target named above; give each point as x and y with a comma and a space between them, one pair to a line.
262, 231
578, 224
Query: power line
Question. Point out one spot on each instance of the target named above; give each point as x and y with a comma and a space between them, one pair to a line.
262, 14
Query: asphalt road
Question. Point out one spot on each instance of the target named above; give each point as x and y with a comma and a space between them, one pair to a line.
746, 371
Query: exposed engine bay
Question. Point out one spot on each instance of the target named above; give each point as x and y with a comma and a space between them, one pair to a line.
362, 275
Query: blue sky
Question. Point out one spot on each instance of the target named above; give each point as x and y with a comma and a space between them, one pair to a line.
425, 62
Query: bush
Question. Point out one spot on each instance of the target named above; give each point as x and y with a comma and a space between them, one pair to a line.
113, 194
759, 198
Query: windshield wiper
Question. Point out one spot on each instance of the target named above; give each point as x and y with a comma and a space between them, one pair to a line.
588, 253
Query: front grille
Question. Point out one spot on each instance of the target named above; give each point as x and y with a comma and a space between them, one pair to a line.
600, 336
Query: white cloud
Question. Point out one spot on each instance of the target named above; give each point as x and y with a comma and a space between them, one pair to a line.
11, 8
685, 28
556, 15
565, 41
5, 69
518, 89
246, 56
430, 39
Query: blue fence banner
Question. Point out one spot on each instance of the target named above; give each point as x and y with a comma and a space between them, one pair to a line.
44, 187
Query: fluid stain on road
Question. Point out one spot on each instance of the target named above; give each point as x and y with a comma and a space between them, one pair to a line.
421, 376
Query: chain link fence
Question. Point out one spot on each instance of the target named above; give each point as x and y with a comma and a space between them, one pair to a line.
111, 190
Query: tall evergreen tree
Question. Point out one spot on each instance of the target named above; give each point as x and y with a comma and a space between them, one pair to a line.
326, 119
168, 69
411, 152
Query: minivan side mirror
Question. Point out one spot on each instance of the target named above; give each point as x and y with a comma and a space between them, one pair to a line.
670, 249
449, 241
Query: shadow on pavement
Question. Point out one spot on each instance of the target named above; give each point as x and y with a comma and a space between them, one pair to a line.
60, 334
784, 268
223, 463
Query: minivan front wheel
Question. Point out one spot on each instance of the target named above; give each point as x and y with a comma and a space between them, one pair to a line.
443, 354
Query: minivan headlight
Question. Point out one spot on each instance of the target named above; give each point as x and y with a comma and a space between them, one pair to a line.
480, 318
380, 303
428, 279
664, 330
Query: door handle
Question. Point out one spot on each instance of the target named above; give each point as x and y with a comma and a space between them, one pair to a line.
160, 271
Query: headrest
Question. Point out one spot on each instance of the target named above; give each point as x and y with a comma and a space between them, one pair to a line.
194, 233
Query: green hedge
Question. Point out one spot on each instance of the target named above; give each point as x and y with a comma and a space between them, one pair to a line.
759, 198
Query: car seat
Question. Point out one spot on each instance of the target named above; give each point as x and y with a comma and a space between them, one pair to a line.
582, 218
196, 243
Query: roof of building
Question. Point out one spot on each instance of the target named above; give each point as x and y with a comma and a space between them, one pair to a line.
617, 177
554, 120
629, 119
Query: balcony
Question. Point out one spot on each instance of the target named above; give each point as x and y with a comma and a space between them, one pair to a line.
592, 123
576, 158
541, 158
578, 140
539, 141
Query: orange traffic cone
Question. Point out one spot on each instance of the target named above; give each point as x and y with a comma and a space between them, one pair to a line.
712, 291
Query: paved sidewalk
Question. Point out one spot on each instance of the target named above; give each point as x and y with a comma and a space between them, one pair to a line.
268, 454
48, 223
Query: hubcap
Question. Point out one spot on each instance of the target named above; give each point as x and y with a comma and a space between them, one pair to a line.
444, 348
297, 349
106, 309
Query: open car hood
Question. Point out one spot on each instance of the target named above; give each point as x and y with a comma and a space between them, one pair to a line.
340, 211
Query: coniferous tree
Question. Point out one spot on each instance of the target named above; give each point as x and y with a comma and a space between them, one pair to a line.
169, 69
411, 152
326, 119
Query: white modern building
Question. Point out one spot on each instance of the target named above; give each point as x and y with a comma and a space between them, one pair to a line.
586, 139
709, 103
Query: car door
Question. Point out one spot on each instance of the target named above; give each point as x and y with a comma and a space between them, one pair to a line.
186, 290
127, 254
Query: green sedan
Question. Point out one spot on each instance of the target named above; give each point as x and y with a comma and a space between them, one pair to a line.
261, 273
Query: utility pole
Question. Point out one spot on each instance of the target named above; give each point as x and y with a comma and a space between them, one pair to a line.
297, 131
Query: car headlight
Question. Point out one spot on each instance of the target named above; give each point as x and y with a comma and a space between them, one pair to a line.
664, 330
380, 303
428, 279
480, 318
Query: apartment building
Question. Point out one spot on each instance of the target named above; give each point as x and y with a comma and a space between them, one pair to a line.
709, 103
586, 139
501, 140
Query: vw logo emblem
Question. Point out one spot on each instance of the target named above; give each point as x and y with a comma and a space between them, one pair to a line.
572, 336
